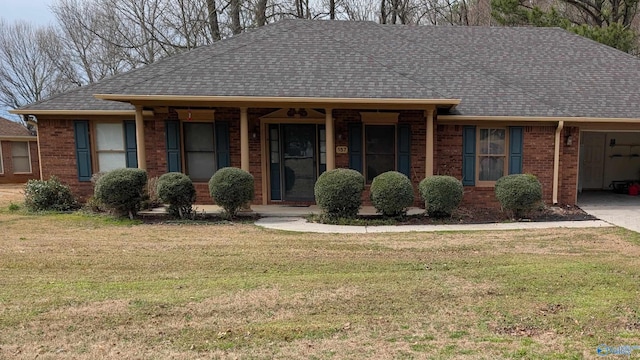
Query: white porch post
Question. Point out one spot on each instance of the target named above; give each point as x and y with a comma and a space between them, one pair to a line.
430, 140
140, 148
244, 139
330, 138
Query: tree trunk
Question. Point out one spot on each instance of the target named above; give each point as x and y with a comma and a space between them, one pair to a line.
214, 26
261, 13
236, 28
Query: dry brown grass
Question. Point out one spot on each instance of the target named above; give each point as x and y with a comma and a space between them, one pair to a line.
85, 287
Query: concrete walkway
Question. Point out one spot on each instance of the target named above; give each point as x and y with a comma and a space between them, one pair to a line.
617, 209
301, 225
291, 218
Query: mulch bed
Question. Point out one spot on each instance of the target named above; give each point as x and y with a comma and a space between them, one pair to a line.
484, 216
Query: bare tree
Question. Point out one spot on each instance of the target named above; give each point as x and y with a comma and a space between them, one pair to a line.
26, 74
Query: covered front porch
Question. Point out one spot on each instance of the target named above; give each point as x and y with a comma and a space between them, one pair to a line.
286, 143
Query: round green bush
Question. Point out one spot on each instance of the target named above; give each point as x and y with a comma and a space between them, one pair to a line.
338, 192
441, 195
177, 190
48, 195
231, 188
519, 193
121, 190
391, 193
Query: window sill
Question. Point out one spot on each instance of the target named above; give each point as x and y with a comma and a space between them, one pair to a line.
23, 173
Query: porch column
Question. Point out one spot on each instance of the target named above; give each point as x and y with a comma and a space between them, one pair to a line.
244, 139
140, 148
556, 162
330, 138
430, 140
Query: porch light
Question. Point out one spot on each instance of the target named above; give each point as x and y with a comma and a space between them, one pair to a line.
569, 140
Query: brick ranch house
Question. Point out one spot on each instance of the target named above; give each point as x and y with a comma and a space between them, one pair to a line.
298, 97
18, 153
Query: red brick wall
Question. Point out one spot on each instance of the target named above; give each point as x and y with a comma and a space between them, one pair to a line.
7, 176
569, 160
58, 153
538, 151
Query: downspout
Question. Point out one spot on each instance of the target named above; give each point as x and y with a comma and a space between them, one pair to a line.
556, 162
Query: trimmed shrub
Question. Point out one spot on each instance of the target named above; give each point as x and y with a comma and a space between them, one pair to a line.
48, 195
391, 193
177, 190
339, 193
150, 199
519, 193
231, 188
441, 195
121, 190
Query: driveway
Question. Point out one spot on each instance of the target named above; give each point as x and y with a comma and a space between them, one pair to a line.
617, 209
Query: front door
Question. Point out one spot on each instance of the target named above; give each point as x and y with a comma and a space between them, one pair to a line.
296, 159
592, 162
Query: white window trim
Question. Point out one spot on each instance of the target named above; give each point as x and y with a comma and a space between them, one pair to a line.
28, 158
96, 152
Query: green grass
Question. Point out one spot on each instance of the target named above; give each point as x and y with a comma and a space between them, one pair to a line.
91, 285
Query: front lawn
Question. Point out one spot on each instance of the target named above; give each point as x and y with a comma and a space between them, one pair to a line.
85, 287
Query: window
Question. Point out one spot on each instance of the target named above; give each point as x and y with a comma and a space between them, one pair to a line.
491, 154
380, 146
110, 146
21, 157
199, 150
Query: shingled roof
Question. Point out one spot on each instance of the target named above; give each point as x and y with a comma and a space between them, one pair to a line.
495, 71
10, 128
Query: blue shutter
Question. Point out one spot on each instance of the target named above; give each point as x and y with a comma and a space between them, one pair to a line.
469, 155
404, 149
274, 161
172, 130
355, 146
515, 149
83, 149
222, 144
130, 143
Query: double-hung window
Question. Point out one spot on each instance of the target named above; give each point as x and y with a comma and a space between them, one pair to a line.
110, 146
489, 153
379, 144
199, 150
21, 157
379, 150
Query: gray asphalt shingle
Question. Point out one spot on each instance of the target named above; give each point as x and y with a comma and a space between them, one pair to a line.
494, 70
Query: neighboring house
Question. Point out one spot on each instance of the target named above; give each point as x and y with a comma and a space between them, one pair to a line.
293, 99
18, 153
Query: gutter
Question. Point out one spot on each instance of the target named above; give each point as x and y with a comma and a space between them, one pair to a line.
556, 162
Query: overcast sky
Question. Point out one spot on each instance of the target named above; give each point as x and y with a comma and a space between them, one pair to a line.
35, 11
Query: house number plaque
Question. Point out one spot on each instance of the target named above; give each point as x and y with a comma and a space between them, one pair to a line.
342, 149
